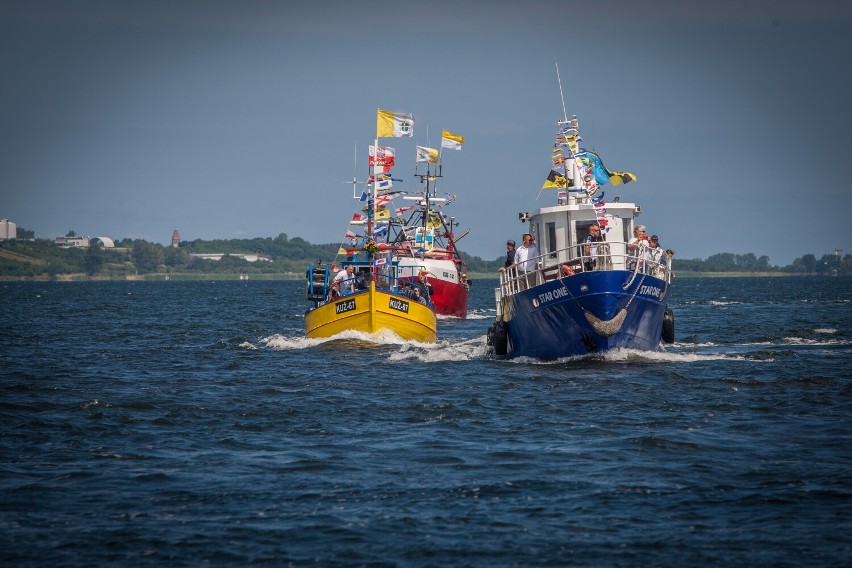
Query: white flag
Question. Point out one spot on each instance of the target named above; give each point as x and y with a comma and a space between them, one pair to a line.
450, 140
425, 154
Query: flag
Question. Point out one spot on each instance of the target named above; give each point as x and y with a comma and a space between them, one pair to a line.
357, 217
450, 140
384, 184
363, 196
401, 210
394, 124
341, 250
555, 179
597, 167
425, 154
381, 157
380, 231
382, 214
381, 261
383, 199
618, 178
603, 175
349, 235
434, 220
381, 177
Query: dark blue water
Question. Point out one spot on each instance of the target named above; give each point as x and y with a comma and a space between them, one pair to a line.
189, 423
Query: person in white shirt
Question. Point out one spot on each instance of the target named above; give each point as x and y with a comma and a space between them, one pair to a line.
344, 281
633, 254
526, 258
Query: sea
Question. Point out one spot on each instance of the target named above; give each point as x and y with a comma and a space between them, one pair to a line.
176, 423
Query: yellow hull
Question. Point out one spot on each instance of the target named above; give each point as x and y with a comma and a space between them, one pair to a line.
371, 311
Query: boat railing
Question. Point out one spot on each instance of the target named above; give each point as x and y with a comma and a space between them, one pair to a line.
402, 280
604, 256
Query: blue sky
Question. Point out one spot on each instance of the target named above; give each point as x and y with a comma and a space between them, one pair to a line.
241, 119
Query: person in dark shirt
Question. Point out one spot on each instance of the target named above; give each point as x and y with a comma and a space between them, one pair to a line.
510, 254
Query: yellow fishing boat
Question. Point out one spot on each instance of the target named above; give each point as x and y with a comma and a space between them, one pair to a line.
371, 292
394, 305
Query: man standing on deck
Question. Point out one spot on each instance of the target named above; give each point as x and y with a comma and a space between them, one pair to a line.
526, 258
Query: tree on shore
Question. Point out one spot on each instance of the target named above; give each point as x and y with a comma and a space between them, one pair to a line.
147, 257
94, 260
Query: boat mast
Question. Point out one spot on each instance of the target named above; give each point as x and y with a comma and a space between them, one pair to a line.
562, 96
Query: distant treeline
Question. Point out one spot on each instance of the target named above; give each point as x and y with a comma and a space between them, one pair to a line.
29, 257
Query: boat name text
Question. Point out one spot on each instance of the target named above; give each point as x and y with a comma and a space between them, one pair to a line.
551, 295
345, 306
399, 305
650, 291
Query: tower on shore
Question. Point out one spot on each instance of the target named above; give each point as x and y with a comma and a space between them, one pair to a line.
175, 238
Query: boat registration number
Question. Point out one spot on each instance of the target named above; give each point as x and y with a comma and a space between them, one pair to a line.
345, 306
399, 305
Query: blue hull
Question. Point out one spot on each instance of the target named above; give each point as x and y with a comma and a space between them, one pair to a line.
586, 313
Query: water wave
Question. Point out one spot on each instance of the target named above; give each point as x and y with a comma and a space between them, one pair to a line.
383, 337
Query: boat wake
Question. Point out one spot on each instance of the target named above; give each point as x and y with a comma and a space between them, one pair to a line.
347, 338
442, 351
634, 356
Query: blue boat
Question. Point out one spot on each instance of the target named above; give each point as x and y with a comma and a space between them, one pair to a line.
587, 291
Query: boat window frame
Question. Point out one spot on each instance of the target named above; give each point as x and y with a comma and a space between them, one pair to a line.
550, 237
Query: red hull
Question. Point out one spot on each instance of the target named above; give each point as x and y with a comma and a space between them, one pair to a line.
450, 299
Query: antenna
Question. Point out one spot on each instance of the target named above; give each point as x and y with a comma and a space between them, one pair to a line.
564, 112
355, 181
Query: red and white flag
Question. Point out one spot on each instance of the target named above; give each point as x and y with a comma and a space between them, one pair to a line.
381, 156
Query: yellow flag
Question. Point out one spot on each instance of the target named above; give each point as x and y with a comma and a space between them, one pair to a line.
341, 251
450, 140
395, 124
556, 180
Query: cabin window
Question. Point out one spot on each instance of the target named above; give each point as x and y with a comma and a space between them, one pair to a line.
550, 234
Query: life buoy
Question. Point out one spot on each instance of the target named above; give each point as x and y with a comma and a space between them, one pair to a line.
566, 270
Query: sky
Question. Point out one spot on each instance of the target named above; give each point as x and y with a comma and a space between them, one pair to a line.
244, 119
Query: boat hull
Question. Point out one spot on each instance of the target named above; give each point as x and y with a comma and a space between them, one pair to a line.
371, 311
449, 286
585, 313
450, 298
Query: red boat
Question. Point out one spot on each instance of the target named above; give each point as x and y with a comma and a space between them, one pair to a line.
443, 270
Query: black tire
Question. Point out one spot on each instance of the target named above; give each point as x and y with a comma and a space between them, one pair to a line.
498, 338
668, 327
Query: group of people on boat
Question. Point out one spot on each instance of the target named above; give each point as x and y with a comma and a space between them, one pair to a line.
346, 281
647, 253
640, 248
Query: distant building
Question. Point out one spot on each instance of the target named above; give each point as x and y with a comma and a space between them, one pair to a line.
8, 230
175, 238
83, 242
